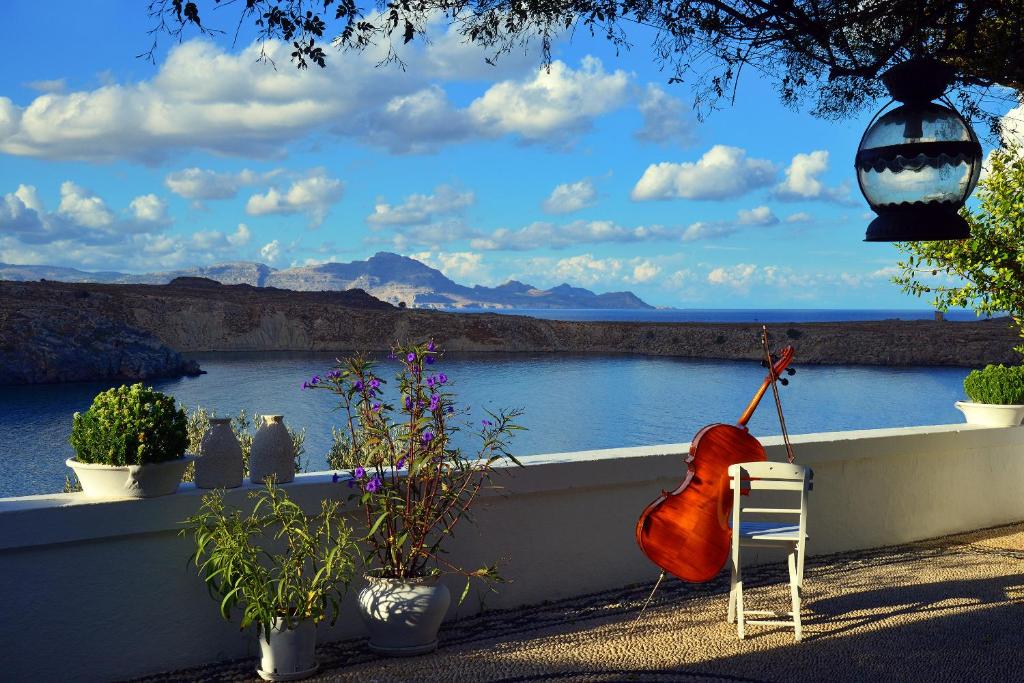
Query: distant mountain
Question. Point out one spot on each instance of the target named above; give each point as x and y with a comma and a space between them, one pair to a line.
389, 277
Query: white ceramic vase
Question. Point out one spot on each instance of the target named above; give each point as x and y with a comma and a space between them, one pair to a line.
130, 481
991, 414
219, 465
289, 655
272, 453
403, 615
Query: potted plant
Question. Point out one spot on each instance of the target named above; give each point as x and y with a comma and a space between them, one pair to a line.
997, 396
414, 486
130, 443
285, 570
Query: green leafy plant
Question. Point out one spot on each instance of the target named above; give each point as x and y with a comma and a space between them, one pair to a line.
986, 270
414, 486
997, 384
130, 425
276, 562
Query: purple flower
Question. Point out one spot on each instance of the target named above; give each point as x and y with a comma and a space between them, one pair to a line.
411, 358
375, 407
359, 472
375, 384
430, 360
334, 374
435, 401
334, 478
351, 483
430, 346
427, 437
358, 385
408, 403
305, 385
430, 381
442, 378
451, 409
485, 423
401, 463
373, 485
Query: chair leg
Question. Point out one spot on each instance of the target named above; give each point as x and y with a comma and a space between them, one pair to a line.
794, 590
739, 604
731, 618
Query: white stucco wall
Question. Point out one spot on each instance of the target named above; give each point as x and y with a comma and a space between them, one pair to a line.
100, 590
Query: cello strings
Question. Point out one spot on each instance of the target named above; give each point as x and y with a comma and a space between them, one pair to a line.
790, 456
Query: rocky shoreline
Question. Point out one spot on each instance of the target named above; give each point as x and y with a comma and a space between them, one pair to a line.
57, 332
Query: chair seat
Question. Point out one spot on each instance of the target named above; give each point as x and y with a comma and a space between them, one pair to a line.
770, 531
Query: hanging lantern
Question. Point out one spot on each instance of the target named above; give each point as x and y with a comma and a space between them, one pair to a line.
918, 163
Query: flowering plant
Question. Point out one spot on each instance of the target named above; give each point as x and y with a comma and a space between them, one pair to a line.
414, 485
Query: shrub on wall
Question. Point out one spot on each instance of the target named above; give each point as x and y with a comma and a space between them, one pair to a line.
997, 384
129, 425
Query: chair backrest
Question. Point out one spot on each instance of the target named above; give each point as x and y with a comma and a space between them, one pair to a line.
770, 476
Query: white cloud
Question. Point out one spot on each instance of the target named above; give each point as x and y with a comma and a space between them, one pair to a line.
722, 172
666, 120
586, 270
803, 180
199, 184
1013, 127
759, 215
313, 195
421, 209
149, 208
271, 251
459, 265
52, 85
570, 197
84, 232
83, 207
241, 236
554, 104
799, 217
737, 277
644, 271
577, 232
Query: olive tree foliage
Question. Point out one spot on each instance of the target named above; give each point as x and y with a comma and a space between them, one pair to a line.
986, 271
827, 51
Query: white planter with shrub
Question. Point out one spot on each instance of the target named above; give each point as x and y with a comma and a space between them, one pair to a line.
130, 443
997, 396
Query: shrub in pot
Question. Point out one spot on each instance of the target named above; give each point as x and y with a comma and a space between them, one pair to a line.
415, 487
997, 396
283, 569
130, 443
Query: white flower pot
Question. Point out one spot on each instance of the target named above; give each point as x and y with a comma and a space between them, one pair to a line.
219, 465
288, 655
130, 481
991, 414
403, 615
272, 452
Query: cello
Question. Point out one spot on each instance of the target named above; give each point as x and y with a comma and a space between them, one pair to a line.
686, 532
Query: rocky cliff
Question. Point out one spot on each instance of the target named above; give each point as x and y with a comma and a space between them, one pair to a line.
54, 331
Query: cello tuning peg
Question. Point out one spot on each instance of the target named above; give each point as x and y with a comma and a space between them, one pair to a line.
790, 371
784, 381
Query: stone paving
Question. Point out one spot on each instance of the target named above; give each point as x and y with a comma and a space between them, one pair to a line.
948, 609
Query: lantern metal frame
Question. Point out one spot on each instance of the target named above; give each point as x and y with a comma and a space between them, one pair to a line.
919, 83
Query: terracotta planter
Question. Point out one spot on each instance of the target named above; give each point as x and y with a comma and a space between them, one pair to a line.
219, 465
272, 452
991, 414
403, 615
289, 655
130, 481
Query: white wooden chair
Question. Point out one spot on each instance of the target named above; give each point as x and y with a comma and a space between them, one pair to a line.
790, 534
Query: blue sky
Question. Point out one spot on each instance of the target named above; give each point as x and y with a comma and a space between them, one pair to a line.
595, 173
